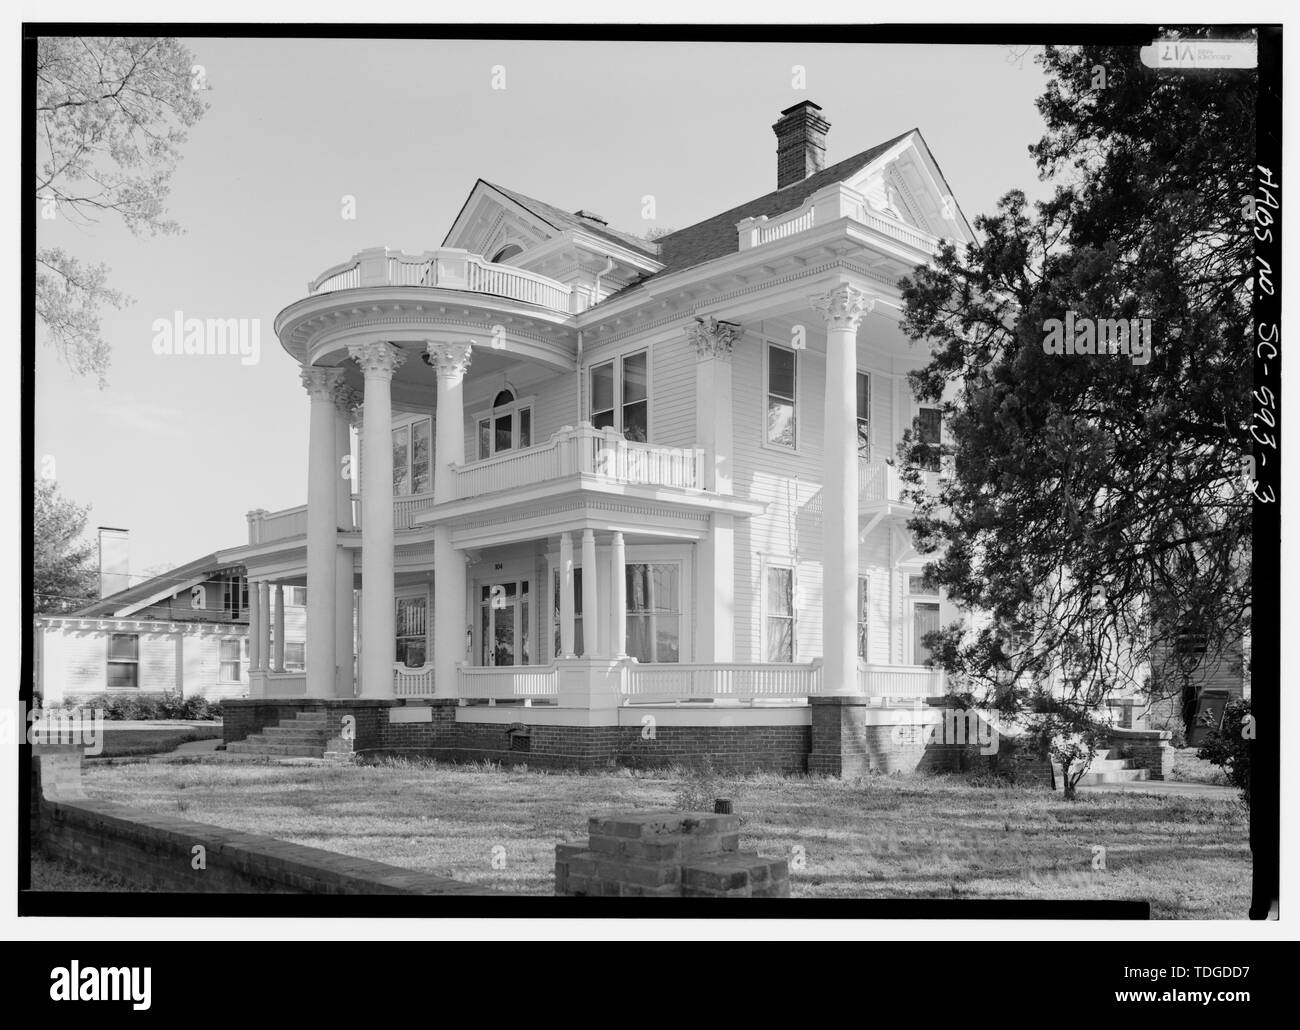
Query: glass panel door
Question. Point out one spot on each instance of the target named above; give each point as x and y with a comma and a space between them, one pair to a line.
925, 619
504, 624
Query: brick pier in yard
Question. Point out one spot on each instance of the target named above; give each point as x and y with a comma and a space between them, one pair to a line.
667, 855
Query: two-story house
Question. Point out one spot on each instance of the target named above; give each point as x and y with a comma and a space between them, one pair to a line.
601, 479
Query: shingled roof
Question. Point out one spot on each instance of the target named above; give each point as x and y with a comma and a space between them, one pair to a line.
561, 219
179, 578
716, 237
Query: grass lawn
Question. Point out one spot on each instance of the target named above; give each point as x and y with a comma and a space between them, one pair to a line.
880, 837
1190, 769
137, 740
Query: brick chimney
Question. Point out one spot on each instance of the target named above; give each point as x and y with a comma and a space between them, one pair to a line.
800, 143
114, 560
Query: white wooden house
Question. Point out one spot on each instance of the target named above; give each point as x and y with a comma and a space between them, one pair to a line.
596, 471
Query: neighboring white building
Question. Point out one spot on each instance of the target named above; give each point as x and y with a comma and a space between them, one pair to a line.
183, 632
578, 448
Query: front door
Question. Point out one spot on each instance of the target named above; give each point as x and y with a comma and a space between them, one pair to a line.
504, 623
925, 619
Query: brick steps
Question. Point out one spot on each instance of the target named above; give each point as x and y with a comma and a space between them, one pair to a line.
303, 736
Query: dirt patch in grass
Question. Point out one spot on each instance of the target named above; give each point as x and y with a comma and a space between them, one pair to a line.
878, 837
50, 874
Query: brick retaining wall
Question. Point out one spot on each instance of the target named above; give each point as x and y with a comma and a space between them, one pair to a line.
158, 852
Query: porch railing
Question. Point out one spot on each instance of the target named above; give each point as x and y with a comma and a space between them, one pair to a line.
823, 208
746, 682
413, 681
604, 453
918, 681
525, 683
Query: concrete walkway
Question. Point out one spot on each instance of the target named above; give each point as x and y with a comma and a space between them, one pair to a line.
1175, 788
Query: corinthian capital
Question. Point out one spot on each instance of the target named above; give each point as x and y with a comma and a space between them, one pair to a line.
449, 360
844, 306
378, 358
347, 400
711, 338
320, 383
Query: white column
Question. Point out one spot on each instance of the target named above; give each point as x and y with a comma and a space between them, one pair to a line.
264, 626
322, 537
254, 620
618, 597
344, 575
716, 596
277, 655
378, 362
450, 362
566, 595
590, 604
842, 308
713, 341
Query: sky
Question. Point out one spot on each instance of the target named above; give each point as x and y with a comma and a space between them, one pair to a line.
177, 448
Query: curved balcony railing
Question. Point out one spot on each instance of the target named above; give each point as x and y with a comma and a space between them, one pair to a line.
446, 268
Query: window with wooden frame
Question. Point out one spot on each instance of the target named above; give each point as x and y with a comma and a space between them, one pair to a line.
506, 426
781, 396
778, 613
412, 458
619, 395
124, 660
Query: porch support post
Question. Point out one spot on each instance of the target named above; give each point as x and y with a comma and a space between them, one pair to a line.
843, 308
590, 604
277, 655
566, 595
322, 535
378, 362
618, 596
264, 626
716, 597
450, 362
345, 402
712, 341
254, 638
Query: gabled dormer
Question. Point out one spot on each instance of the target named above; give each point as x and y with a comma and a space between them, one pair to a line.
576, 248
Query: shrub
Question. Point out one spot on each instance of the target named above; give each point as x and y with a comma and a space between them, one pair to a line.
1230, 746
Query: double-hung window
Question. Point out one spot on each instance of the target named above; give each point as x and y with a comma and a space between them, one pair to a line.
620, 395
124, 660
232, 660
782, 391
778, 613
654, 611
412, 458
929, 423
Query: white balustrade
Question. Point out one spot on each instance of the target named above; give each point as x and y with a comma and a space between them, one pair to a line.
406, 508
495, 683
447, 268
647, 683
413, 681
585, 450
278, 525
916, 681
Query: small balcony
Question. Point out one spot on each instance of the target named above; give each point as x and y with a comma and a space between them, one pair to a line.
880, 483
448, 269
604, 454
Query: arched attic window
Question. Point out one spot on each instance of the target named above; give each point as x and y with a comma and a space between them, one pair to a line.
507, 252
